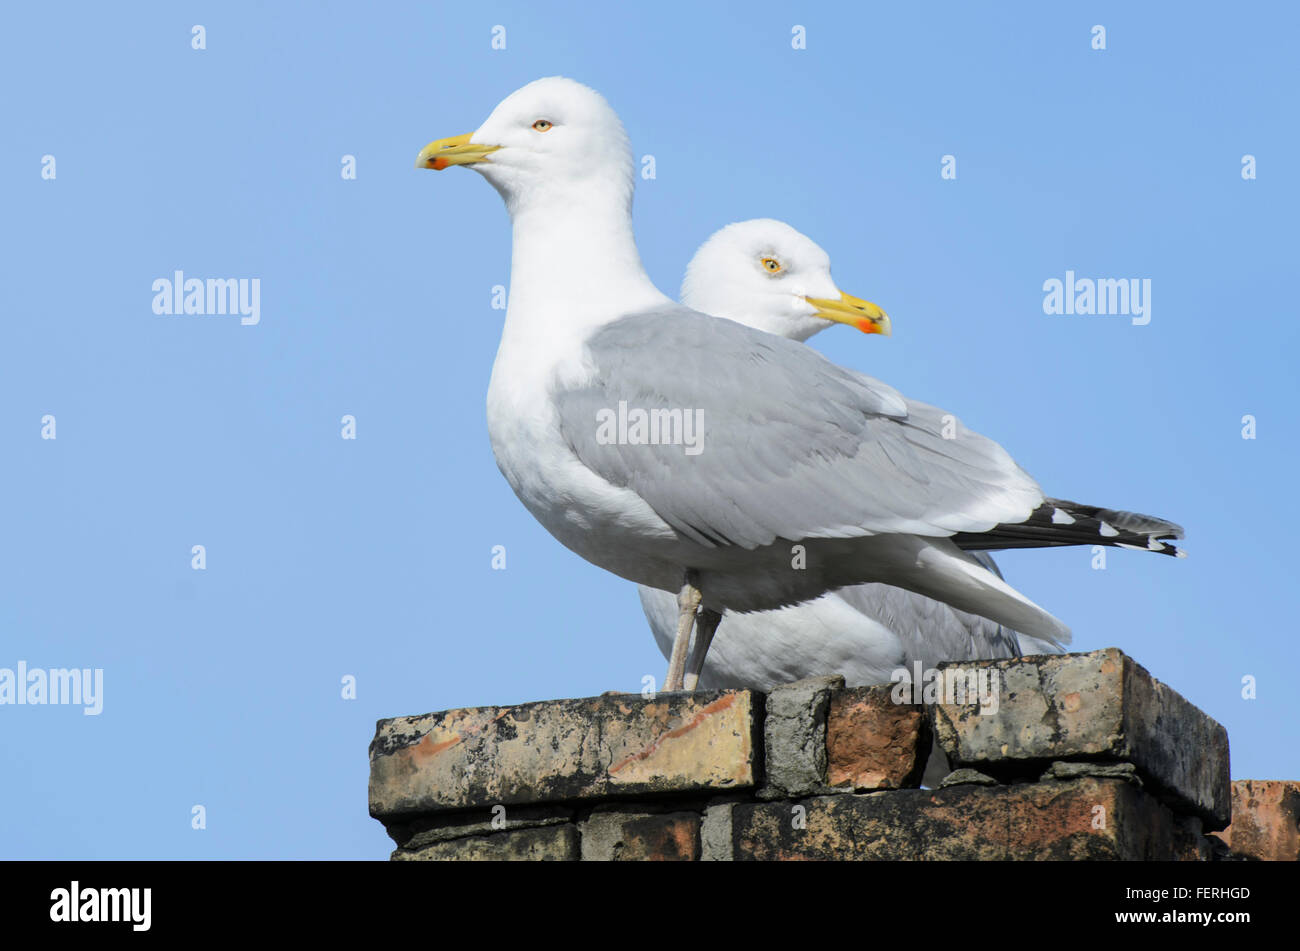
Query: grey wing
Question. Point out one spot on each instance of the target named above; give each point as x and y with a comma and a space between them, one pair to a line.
931, 631
934, 632
1024, 644
790, 445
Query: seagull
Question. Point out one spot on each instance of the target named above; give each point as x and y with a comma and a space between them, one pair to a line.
694, 454
759, 273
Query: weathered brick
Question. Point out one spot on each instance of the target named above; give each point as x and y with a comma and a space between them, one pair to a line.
1190, 842
873, 742
716, 843
418, 831
629, 836
966, 777
562, 750
1097, 706
1083, 819
794, 736
1265, 820
545, 844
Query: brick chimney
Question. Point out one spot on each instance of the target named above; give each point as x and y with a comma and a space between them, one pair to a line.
1077, 756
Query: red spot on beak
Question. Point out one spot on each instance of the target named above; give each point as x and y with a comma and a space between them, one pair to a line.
866, 326
439, 164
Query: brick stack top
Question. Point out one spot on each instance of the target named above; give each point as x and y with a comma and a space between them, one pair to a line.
1073, 756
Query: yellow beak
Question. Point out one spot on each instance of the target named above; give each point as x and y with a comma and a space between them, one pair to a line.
458, 150
853, 311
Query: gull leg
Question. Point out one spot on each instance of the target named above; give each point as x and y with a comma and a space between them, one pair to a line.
688, 599
706, 625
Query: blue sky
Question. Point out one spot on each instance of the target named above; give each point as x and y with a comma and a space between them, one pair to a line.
371, 558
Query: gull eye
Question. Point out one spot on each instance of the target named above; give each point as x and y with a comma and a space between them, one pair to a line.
541, 125
772, 266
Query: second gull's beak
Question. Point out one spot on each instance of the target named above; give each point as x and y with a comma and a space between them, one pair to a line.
457, 150
853, 311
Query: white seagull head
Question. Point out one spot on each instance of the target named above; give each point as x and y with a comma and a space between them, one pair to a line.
765, 274
553, 143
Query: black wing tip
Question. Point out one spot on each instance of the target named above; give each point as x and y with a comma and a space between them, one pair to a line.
1057, 522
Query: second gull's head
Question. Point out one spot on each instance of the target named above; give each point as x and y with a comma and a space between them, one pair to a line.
765, 274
